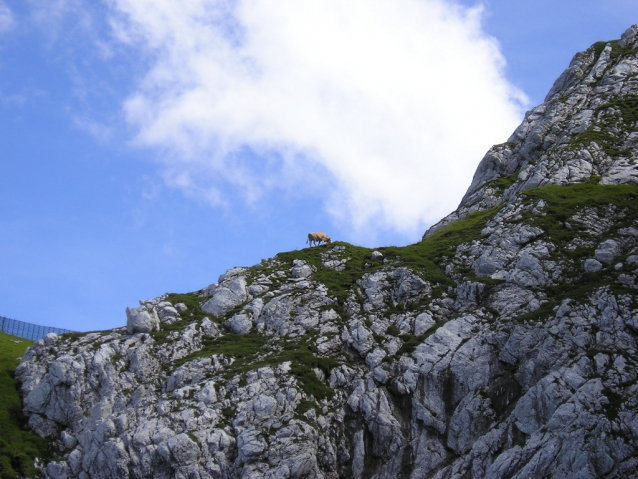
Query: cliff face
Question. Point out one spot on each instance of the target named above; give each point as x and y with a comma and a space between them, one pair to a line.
501, 346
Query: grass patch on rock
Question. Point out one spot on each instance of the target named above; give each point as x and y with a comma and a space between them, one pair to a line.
563, 202
73, 336
239, 346
339, 283
193, 302
619, 113
502, 183
303, 407
161, 336
303, 361
193, 314
253, 351
617, 51
410, 342
441, 245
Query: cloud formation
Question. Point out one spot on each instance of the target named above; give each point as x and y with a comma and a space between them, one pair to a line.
382, 107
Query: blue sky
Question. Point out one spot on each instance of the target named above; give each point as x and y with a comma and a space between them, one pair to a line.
148, 148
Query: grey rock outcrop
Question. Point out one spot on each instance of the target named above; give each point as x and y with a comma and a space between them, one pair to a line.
230, 292
140, 320
504, 347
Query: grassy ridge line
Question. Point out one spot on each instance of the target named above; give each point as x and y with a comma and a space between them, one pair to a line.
18, 447
423, 258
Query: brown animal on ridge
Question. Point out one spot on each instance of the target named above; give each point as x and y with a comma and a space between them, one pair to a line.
318, 238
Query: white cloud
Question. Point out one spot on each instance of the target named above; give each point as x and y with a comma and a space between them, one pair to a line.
387, 104
7, 20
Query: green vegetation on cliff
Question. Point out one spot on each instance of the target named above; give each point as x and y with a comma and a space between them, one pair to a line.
619, 114
563, 202
557, 222
18, 447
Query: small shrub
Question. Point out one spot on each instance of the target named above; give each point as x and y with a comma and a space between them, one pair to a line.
393, 330
303, 407
410, 342
614, 405
502, 183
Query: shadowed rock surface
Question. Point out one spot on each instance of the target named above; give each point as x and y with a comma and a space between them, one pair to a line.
501, 346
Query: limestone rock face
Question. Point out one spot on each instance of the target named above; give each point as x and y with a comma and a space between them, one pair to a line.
504, 345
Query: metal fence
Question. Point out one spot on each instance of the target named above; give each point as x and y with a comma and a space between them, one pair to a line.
28, 330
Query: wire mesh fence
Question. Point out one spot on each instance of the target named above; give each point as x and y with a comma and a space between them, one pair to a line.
28, 330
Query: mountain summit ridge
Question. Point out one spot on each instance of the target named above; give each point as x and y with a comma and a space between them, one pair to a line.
569, 137
503, 345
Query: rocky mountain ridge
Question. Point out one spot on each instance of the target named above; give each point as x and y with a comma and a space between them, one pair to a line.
501, 346
586, 127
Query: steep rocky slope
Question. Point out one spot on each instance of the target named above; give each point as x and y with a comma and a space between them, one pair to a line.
585, 128
501, 346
